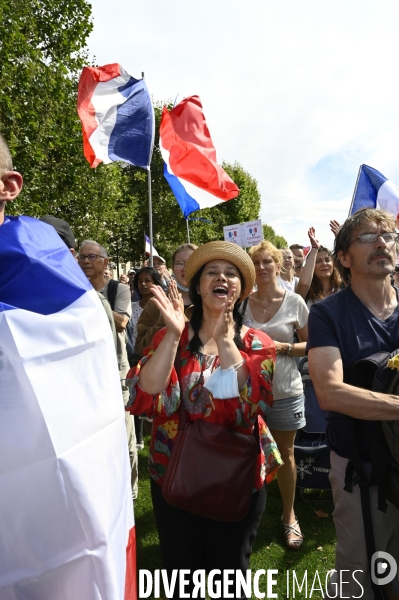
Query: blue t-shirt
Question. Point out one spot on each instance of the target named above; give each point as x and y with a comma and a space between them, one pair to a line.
343, 321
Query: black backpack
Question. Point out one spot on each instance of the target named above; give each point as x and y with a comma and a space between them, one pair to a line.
373, 373
112, 290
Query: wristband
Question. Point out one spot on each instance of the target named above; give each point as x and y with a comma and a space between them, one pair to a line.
289, 350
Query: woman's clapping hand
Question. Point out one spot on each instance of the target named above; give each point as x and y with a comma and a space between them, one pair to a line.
225, 324
170, 309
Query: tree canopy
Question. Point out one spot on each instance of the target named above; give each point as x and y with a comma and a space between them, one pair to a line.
42, 51
270, 235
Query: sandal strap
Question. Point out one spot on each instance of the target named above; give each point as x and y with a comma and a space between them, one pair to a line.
292, 529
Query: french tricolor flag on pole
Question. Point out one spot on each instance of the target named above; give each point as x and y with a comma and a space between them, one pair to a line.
66, 510
373, 190
196, 180
117, 117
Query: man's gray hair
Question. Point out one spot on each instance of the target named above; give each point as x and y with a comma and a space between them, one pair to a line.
353, 223
102, 250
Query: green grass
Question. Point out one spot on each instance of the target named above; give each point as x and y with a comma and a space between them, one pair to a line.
316, 554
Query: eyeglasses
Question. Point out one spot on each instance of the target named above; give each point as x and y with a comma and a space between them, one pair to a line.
370, 238
180, 264
91, 257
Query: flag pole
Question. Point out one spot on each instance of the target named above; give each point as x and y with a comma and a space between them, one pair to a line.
188, 231
354, 191
149, 207
150, 216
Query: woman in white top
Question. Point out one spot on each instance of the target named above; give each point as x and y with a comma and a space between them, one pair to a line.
280, 313
286, 278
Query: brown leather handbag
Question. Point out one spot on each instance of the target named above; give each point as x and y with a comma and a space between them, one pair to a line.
211, 470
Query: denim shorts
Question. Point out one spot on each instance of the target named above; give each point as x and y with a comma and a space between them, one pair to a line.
287, 414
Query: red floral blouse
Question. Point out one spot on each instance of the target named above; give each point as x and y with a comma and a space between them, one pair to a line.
238, 413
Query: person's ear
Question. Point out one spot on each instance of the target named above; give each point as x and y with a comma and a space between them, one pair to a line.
105, 262
10, 185
345, 262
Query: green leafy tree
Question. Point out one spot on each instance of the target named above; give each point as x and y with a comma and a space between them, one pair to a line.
169, 224
42, 51
270, 235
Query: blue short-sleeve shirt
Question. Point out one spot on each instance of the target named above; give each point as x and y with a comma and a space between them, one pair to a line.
343, 321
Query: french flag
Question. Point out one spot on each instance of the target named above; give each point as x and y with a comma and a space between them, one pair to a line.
190, 168
117, 117
373, 190
147, 246
67, 525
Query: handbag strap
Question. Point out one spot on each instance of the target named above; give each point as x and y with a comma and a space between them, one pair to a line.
182, 410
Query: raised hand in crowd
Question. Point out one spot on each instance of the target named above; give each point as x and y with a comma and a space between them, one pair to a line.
312, 238
335, 227
174, 295
308, 269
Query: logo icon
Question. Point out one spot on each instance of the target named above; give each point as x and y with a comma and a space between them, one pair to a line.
383, 568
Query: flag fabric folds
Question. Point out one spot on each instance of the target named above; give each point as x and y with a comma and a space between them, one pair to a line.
117, 116
196, 180
147, 245
373, 190
66, 509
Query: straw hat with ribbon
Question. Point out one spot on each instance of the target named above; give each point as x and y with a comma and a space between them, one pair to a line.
225, 251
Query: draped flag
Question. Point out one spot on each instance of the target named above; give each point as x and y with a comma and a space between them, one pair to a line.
65, 500
117, 116
147, 244
190, 168
373, 190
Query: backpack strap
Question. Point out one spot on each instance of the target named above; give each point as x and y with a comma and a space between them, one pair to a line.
356, 467
112, 290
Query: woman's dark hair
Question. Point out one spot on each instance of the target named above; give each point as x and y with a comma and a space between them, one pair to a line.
195, 344
153, 273
315, 292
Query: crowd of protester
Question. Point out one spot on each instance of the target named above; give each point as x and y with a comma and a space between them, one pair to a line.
245, 314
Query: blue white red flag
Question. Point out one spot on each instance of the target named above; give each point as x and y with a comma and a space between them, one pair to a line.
67, 521
373, 190
147, 244
196, 180
117, 117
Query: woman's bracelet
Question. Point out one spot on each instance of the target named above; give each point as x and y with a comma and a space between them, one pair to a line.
289, 350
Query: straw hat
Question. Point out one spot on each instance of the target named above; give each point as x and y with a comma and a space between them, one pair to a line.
224, 251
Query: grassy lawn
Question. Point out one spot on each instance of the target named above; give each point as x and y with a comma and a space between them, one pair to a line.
316, 554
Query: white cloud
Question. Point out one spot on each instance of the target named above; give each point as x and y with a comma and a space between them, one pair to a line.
300, 93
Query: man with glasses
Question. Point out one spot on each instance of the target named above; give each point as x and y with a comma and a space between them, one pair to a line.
93, 259
358, 321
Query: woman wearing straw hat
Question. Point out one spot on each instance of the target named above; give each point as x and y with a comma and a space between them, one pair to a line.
220, 275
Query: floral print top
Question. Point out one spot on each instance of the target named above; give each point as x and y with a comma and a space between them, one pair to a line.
238, 413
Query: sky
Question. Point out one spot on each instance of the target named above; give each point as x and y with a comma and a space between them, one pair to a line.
299, 92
